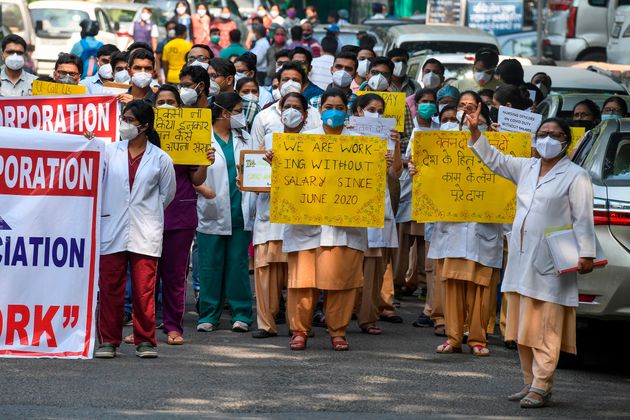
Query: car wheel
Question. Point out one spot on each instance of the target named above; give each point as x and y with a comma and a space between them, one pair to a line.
594, 56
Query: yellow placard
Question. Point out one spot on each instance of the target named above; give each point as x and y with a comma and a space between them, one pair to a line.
185, 134
454, 186
576, 135
40, 88
319, 179
395, 103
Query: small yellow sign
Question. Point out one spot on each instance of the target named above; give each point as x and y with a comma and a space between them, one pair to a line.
395, 103
319, 179
185, 134
452, 185
40, 88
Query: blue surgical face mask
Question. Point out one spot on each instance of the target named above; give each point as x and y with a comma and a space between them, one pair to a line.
426, 110
333, 118
611, 117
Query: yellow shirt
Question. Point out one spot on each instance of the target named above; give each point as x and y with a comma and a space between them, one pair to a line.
175, 54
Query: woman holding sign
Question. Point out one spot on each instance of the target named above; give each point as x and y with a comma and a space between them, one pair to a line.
324, 258
225, 223
270, 262
551, 191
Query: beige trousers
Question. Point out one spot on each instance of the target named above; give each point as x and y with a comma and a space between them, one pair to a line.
437, 298
374, 269
268, 282
338, 306
466, 303
386, 301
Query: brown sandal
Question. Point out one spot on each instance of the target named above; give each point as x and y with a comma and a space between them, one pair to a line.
446, 348
480, 351
372, 330
174, 339
339, 344
298, 340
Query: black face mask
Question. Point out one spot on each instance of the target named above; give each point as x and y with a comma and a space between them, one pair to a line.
494, 114
581, 123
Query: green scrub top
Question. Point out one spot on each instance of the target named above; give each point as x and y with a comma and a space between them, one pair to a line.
235, 194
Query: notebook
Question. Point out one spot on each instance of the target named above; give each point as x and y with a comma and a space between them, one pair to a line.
564, 249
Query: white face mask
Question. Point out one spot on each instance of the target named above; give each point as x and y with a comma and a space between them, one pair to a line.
166, 106
181, 10
189, 95
274, 13
128, 131
378, 83
250, 97
362, 68
400, 69
482, 77
291, 117
225, 16
262, 13
200, 64
215, 89
441, 107
276, 94
122, 77
202, 12
341, 78
171, 33
238, 76
141, 79
105, 72
449, 126
290, 86
237, 121
15, 61
460, 116
371, 114
431, 80
548, 148
145, 16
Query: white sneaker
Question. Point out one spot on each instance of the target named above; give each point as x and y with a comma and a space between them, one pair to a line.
206, 327
240, 326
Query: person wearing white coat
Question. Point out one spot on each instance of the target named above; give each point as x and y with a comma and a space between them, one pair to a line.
551, 191
225, 223
138, 184
324, 258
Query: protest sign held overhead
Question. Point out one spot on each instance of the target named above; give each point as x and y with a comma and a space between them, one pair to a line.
63, 114
394, 106
328, 180
454, 186
185, 134
49, 243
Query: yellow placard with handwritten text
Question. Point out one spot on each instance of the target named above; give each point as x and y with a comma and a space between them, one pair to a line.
185, 134
394, 106
40, 88
576, 135
320, 179
452, 185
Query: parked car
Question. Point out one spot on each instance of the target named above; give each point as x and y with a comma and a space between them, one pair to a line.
605, 154
577, 30
123, 16
521, 44
15, 18
618, 49
561, 104
57, 28
438, 39
574, 80
348, 35
459, 66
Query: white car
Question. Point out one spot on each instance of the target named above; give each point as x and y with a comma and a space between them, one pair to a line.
618, 50
57, 28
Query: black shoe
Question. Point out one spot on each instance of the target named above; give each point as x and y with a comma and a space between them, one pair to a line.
127, 320
281, 318
393, 319
263, 334
319, 320
423, 321
510, 344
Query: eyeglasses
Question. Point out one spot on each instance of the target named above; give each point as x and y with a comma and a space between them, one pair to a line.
11, 52
200, 58
68, 73
386, 74
615, 111
556, 135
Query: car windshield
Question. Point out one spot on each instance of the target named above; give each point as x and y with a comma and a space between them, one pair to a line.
59, 20
347, 38
459, 71
11, 17
121, 15
445, 47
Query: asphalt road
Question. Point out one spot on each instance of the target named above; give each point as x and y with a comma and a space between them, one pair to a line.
225, 374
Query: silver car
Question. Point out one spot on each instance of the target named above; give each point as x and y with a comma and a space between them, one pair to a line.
605, 154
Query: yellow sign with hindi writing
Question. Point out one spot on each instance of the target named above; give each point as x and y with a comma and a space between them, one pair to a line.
452, 185
40, 88
395, 103
320, 179
185, 134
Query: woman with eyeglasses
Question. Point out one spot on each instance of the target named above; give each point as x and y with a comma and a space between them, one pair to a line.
551, 191
614, 108
225, 223
138, 185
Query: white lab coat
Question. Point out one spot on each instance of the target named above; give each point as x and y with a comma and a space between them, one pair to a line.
264, 230
215, 217
134, 220
305, 237
385, 237
480, 242
563, 196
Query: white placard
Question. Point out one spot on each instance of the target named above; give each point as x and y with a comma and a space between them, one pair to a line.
256, 172
368, 126
517, 121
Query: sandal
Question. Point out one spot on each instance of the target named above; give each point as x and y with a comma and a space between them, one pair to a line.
480, 351
447, 349
372, 330
298, 340
521, 394
339, 344
532, 402
174, 339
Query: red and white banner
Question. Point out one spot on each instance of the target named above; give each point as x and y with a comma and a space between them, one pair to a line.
49, 243
70, 114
